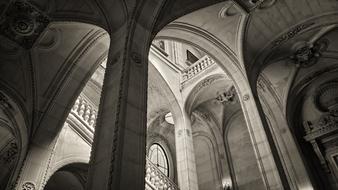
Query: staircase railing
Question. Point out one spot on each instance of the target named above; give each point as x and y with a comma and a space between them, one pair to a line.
157, 180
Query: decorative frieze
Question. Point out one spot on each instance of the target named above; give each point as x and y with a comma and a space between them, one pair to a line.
290, 34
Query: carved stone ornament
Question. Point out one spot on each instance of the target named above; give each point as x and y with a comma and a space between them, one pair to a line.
246, 97
228, 97
23, 23
28, 186
308, 55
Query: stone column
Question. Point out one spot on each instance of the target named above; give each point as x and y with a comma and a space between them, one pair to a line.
185, 155
119, 147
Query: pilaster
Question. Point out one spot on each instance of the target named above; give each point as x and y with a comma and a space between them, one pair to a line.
186, 165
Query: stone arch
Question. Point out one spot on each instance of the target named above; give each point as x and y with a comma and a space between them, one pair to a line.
281, 86
14, 140
301, 101
231, 61
73, 175
203, 85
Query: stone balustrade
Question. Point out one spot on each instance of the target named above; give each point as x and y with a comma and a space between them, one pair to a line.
85, 112
156, 180
197, 67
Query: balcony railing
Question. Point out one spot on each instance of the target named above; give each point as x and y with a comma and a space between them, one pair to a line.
156, 180
85, 112
196, 68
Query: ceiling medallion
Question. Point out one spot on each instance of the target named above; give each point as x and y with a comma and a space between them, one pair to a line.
23, 23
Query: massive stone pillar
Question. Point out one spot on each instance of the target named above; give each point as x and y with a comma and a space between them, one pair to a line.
119, 147
185, 156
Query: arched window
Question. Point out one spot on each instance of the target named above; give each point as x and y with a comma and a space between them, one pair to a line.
158, 157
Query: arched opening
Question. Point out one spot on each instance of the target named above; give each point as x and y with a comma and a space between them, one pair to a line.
288, 88
209, 79
159, 158
72, 177
13, 140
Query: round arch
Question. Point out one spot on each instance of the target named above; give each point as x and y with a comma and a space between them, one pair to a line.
15, 142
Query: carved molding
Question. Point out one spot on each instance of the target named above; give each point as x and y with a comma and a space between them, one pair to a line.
23, 23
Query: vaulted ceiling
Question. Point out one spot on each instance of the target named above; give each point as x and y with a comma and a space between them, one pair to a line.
39, 55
